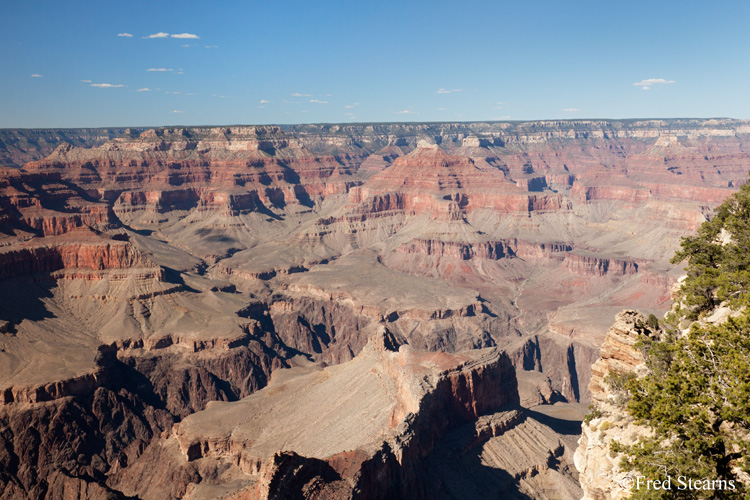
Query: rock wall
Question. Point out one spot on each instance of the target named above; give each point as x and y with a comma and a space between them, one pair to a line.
429, 404
76, 436
20, 146
597, 266
600, 474
45, 259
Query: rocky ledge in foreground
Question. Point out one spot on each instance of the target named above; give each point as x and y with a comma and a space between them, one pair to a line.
600, 473
365, 428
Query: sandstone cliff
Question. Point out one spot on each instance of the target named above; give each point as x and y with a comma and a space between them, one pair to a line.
601, 476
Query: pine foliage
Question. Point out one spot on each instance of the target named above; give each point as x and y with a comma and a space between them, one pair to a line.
696, 397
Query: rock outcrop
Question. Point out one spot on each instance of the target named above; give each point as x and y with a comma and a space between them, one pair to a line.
408, 399
600, 473
618, 353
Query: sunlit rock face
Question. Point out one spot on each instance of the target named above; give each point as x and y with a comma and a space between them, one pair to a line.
146, 274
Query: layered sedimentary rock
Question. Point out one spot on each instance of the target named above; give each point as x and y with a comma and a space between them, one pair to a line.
163, 170
371, 427
20, 146
79, 251
45, 205
430, 180
618, 353
532, 447
601, 476
194, 263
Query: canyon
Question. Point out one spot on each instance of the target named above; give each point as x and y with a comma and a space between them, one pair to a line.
330, 311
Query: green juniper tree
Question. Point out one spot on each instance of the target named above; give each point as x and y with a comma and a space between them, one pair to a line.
696, 397
718, 258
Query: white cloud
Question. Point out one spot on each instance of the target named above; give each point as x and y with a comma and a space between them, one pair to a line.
263, 101
86, 81
289, 102
350, 106
145, 89
447, 91
126, 35
297, 94
107, 85
177, 111
406, 112
571, 110
36, 75
160, 69
161, 34
211, 46
318, 101
184, 35
646, 84
442, 109
185, 45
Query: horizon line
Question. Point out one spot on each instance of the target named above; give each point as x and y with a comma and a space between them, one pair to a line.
571, 120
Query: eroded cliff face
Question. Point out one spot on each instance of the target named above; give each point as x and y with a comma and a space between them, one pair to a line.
601, 476
19, 146
410, 401
162, 270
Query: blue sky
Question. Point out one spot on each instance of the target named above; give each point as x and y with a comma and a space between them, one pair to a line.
137, 63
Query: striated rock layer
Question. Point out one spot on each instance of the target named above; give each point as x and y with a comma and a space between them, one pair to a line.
368, 428
601, 476
20, 146
160, 270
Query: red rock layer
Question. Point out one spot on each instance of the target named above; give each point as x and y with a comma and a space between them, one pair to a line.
598, 266
183, 168
43, 204
445, 185
236, 169
493, 250
77, 386
48, 256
